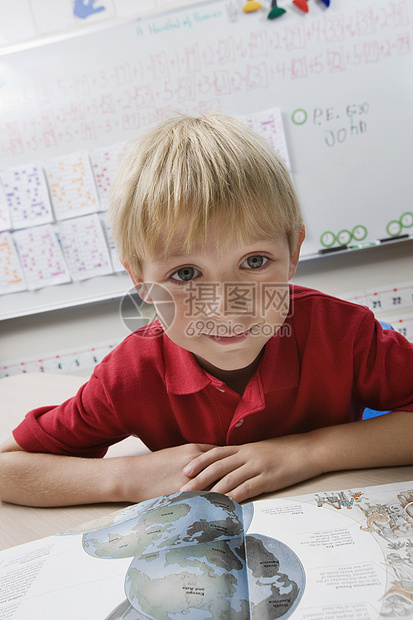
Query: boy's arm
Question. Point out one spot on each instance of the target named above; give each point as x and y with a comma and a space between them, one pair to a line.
249, 470
37, 479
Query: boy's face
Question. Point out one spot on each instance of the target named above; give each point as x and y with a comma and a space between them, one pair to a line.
224, 304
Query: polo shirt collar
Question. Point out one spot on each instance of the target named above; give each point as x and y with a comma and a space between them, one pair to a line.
183, 374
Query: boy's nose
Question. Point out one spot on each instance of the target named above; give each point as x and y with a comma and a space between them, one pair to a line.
233, 298
221, 304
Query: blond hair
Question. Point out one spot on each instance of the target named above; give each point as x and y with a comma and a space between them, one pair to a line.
209, 172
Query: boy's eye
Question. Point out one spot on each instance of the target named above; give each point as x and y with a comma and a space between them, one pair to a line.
185, 274
254, 262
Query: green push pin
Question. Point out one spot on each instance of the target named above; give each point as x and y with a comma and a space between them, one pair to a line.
275, 10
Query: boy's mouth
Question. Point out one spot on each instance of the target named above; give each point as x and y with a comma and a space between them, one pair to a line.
231, 338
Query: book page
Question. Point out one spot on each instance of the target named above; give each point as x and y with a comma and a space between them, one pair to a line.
188, 547
341, 555
54, 578
356, 548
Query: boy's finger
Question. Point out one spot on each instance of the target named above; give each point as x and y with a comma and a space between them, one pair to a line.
234, 480
249, 488
212, 473
210, 457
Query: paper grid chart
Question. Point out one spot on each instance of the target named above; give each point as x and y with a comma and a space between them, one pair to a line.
117, 265
27, 196
72, 186
5, 220
84, 246
11, 273
41, 256
50, 209
105, 162
269, 125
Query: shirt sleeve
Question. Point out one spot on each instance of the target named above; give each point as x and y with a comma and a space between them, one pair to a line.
85, 425
383, 363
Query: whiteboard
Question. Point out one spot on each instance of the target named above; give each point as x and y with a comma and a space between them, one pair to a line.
342, 77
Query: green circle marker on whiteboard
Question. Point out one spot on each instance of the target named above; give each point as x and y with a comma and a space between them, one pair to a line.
328, 239
299, 116
394, 228
359, 232
406, 219
344, 237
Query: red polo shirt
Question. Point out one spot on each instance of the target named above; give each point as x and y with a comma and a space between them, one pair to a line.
330, 360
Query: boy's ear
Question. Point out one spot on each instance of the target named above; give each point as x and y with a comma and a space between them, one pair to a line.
295, 256
139, 284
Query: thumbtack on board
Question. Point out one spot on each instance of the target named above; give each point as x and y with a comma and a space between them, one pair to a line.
276, 11
251, 5
302, 5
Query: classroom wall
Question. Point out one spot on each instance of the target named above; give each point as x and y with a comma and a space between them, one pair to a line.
52, 333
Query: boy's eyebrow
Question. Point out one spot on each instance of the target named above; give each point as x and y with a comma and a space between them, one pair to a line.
165, 259
179, 255
170, 258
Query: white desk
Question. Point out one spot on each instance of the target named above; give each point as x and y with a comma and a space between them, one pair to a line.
20, 524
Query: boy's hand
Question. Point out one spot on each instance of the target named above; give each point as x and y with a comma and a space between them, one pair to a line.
246, 471
36, 479
161, 472
265, 466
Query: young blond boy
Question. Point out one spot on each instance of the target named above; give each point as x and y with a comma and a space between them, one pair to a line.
247, 384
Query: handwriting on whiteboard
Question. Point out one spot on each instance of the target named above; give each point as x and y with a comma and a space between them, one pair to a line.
96, 104
352, 118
